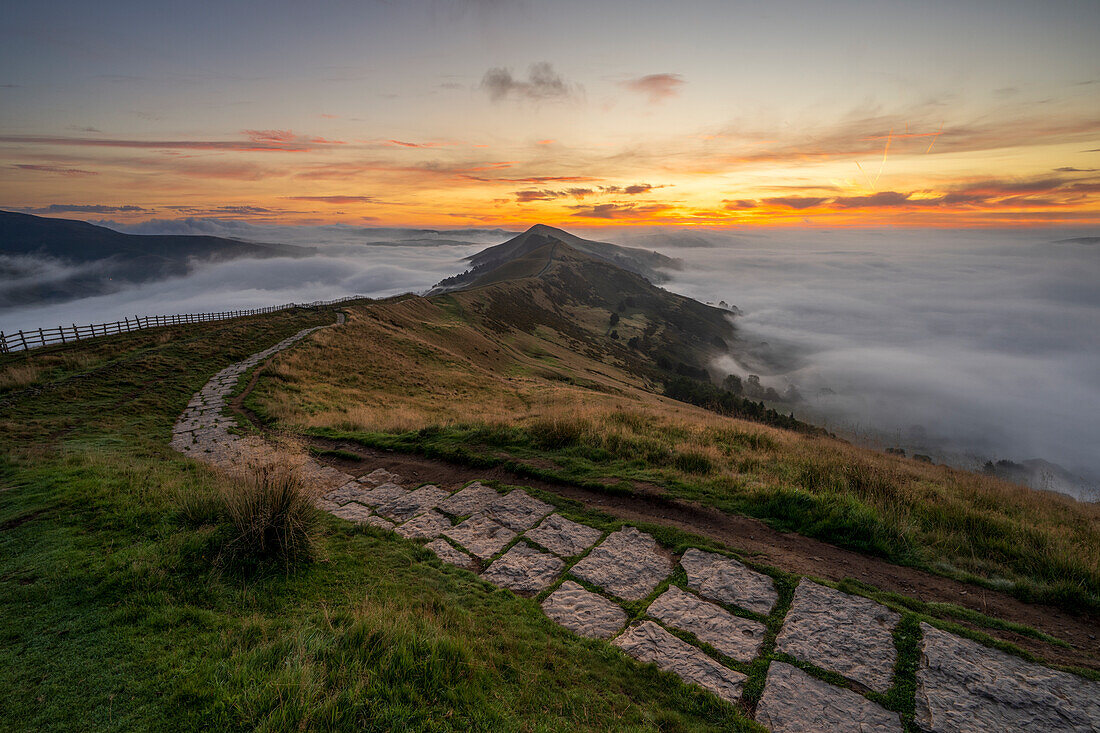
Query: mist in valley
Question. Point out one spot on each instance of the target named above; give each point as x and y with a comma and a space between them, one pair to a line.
964, 346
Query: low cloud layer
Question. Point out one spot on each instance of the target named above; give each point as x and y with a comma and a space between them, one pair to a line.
965, 345
353, 261
970, 346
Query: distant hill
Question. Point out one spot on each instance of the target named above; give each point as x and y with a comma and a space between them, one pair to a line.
1079, 240
596, 306
86, 259
639, 261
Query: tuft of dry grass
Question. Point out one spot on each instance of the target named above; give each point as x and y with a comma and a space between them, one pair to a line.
20, 375
267, 513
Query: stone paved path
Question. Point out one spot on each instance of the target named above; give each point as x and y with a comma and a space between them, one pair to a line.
594, 583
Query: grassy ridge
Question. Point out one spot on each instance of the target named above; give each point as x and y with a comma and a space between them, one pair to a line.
113, 616
427, 376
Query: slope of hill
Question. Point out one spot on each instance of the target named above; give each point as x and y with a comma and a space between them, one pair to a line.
97, 260
527, 366
118, 614
639, 261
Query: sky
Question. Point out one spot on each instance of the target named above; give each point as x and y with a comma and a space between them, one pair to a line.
449, 113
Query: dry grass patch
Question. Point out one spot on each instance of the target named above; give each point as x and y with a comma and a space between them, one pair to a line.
265, 513
417, 372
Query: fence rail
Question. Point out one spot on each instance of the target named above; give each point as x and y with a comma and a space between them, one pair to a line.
35, 338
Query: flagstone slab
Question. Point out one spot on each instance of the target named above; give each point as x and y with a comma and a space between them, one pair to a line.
847, 634
351, 491
628, 564
383, 494
563, 536
795, 702
583, 612
353, 512
450, 554
726, 580
426, 526
648, 642
380, 522
967, 687
481, 535
380, 476
470, 500
524, 569
317, 475
412, 503
518, 510
735, 637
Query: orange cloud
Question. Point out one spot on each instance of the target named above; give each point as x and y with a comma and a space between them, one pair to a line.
41, 168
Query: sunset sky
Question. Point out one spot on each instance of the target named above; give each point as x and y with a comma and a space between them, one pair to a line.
453, 114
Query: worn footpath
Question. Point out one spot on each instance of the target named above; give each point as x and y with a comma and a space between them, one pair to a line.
704, 614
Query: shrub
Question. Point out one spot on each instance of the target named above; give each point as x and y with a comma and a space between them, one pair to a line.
270, 514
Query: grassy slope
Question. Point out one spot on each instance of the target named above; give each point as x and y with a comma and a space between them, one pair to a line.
450, 376
111, 616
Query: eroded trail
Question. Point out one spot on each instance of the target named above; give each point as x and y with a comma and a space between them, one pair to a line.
835, 660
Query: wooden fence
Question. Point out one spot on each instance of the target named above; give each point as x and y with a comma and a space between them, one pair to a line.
23, 340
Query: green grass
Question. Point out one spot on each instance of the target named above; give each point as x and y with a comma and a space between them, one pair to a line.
114, 616
818, 503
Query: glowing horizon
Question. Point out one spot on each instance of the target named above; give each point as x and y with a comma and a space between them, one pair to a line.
451, 114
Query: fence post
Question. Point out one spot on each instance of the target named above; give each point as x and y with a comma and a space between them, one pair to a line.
23, 339
3, 343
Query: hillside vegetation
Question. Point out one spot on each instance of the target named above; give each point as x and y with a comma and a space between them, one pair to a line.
116, 613
523, 369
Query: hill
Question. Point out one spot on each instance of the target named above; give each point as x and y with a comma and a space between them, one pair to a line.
564, 366
639, 261
96, 260
126, 598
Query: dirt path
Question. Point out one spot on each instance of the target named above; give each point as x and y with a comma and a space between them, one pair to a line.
514, 540
785, 550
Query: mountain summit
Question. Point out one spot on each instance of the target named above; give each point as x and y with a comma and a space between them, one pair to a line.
642, 262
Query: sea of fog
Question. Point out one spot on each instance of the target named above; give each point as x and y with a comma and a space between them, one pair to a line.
967, 346
964, 346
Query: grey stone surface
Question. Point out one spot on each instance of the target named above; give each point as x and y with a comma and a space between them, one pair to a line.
966, 687
648, 642
518, 510
426, 526
352, 512
583, 612
563, 536
412, 503
317, 475
481, 535
725, 580
628, 564
735, 637
383, 494
794, 702
470, 500
351, 491
847, 634
380, 476
524, 569
381, 522
448, 553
